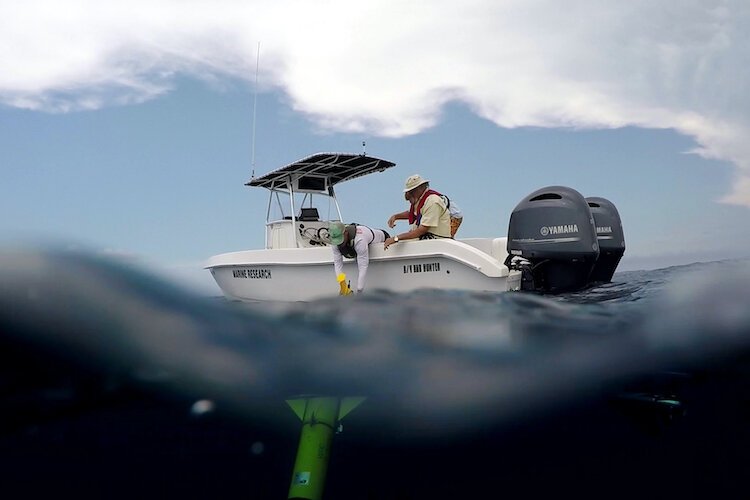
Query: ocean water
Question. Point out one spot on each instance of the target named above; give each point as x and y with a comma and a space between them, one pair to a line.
116, 384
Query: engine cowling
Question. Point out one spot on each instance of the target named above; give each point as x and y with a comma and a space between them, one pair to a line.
552, 230
610, 236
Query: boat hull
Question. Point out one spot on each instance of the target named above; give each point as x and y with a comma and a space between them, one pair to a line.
303, 274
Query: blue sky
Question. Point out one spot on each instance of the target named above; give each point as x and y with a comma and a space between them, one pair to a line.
139, 149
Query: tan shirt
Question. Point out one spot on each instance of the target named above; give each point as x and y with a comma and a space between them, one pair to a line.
436, 216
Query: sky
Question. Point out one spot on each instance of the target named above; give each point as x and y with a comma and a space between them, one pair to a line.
127, 130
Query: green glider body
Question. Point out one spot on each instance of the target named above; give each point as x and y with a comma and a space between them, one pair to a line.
320, 417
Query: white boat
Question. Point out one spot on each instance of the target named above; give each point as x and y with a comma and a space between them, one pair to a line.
297, 263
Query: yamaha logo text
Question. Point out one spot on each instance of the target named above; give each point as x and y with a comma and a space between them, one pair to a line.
564, 229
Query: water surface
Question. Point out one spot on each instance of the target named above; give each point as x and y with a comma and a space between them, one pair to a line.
114, 383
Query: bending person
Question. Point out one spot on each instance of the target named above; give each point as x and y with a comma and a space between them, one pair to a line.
352, 241
428, 213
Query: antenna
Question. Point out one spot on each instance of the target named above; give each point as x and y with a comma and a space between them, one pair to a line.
255, 107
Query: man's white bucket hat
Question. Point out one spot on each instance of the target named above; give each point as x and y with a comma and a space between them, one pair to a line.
413, 182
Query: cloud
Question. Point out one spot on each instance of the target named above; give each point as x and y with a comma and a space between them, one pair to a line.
389, 67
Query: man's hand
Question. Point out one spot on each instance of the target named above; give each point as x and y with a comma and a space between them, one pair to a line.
392, 221
388, 242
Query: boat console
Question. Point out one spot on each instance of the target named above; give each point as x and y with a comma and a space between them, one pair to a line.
298, 233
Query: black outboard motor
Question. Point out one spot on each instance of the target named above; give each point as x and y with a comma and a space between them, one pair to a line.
610, 236
552, 240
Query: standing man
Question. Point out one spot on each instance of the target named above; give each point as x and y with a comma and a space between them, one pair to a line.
428, 213
352, 241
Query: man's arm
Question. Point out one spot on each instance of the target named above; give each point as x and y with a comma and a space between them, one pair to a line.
363, 260
409, 235
338, 260
398, 216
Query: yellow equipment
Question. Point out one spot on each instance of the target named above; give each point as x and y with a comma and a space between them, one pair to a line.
345, 287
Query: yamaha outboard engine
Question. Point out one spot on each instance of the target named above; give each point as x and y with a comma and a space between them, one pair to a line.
552, 240
610, 236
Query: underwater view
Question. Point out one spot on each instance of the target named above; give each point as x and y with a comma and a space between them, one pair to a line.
117, 384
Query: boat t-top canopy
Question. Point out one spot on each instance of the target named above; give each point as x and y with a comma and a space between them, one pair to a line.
320, 172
